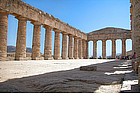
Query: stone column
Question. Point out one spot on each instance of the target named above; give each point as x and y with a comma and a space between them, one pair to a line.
114, 48
57, 45
64, 46
80, 49
21, 39
75, 48
70, 47
86, 50
104, 49
95, 49
36, 41
48, 43
123, 47
83, 48
3, 35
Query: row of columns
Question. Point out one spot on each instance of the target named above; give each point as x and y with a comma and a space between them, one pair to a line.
113, 48
74, 48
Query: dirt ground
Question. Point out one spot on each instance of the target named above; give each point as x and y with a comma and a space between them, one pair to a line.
65, 76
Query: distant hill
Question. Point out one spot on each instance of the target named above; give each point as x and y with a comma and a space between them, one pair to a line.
12, 49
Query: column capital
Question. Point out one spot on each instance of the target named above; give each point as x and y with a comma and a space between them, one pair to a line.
36, 23
95, 40
21, 18
123, 39
76, 37
64, 33
48, 27
70, 35
57, 30
113, 39
104, 40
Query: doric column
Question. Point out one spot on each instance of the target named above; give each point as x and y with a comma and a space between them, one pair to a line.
36, 41
57, 45
104, 49
21, 39
70, 47
64, 46
80, 49
114, 48
94, 49
48, 43
3, 35
83, 48
86, 50
123, 47
75, 48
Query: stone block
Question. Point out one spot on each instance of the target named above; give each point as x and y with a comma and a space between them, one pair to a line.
88, 68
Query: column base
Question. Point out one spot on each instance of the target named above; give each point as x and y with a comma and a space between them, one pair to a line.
21, 59
49, 58
3, 59
37, 58
59, 58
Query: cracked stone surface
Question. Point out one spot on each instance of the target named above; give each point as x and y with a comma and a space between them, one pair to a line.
65, 76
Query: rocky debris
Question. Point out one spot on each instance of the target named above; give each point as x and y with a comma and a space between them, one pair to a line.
88, 68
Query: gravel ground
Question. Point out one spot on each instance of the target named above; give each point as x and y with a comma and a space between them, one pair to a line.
65, 76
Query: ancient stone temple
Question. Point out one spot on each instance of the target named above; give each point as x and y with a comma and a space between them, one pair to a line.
109, 34
74, 42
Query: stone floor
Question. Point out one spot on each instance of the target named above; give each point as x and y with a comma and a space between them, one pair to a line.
65, 76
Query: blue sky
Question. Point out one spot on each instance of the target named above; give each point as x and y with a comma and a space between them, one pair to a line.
86, 15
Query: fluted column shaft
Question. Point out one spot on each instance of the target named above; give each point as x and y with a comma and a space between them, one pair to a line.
75, 48
21, 39
48, 43
80, 49
123, 47
86, 50
70, 47
36, 41
3, 35
57, 45
95, 49
83, 48
113, 48
104, 49
64, 46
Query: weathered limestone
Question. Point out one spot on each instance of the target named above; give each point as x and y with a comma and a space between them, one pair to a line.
64, 46
36, 41
86, 50
75, 48
109, 33
57, 45
135, 12
94, 49
113, 48
48, 43
18, 7
80, 49
104, 49
3, 35
70, 47
83, 49
21, 39
123, 47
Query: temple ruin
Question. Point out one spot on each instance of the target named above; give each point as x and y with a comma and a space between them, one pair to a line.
74, 42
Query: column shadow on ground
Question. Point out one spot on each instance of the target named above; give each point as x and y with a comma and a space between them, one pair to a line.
108, 74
